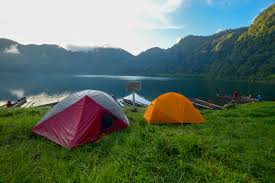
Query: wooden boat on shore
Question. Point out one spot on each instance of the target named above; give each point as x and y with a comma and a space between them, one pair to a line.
204, 104
140, 101
240, 100
20, 102
34, 101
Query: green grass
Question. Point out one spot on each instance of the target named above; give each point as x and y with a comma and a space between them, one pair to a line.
236, 145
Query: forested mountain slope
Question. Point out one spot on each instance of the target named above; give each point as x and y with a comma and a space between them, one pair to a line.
244, 53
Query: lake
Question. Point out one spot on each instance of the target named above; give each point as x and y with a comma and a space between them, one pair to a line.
15, 86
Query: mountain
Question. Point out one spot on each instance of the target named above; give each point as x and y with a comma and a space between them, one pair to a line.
53, 59
245, 53
253, 54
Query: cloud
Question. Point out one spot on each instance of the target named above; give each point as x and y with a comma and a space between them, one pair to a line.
178, 39
79, 48
122, 23
154, 16
19, 93
13, 49
219, 29
163, 27
87, 48
171, 5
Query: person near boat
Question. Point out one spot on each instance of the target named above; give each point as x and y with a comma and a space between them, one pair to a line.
9, 104
259, 98
235, 94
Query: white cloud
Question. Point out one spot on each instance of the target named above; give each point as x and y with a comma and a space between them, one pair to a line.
12, 49
174, 41
79, 48
178, 39
163, 27
122, 23
220, 29
172, 5
88, 48
19, 93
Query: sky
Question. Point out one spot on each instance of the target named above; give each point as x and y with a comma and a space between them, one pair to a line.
133, 25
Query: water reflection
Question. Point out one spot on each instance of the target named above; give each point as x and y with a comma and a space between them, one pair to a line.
15, 86
125, 78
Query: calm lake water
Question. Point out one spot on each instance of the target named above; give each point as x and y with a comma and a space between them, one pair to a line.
15, 86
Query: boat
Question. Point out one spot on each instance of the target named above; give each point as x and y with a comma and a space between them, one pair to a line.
239, 100
20, 102
204, 104
41, 100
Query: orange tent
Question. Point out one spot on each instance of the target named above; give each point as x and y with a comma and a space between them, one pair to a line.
172, 108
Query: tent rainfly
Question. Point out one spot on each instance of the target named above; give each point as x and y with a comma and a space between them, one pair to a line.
172, 108
82, 117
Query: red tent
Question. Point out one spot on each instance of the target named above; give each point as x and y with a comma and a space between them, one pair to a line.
82, 117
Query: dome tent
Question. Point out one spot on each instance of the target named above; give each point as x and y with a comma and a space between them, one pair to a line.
139, 100
80, 118
172, 108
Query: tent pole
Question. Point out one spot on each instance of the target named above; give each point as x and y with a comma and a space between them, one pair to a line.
134, 99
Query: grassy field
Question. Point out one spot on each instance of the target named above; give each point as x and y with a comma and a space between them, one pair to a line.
236, 145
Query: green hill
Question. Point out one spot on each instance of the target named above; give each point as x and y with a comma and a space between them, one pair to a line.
253, 54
